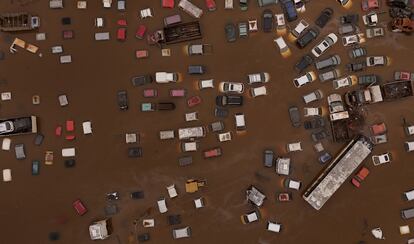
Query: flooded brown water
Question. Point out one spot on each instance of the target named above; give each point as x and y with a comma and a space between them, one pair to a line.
33, 206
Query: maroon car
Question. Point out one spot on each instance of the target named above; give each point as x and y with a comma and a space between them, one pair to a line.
193, 101
79, 207
140, 32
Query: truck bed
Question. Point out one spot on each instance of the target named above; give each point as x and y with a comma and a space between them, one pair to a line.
396, 90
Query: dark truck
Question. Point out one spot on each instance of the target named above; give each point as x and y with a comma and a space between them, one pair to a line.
177, 33
18, 22
18, 126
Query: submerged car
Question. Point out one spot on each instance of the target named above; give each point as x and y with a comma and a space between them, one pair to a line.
315, 123
382, 158
376, 61
231, 87
229, 100
250, 217
262, 77
230, 30
6, 127
324, 17
404, 76
304, 79
326, 43
267, 20
300, 27
303, 63
352, 39
294, 115
357, 52
308, 36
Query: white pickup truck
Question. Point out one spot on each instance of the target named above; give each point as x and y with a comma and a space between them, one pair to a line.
165, 77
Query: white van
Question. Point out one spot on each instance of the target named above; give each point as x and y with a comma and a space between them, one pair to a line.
68, 152
182, 232
7, 175
274, 227
240, 121
166, 134
294, 147
162, 205
172, 191
258, 91
191, 146
409, 195
6, 144
102, 36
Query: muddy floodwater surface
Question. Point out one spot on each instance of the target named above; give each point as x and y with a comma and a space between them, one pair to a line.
33, 206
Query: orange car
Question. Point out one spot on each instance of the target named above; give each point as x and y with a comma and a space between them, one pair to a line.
360, 176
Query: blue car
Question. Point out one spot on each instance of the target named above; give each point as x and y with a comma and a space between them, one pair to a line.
325, 157
289, 9
35, 167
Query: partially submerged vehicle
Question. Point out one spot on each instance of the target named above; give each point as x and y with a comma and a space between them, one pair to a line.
255, 196
100, 230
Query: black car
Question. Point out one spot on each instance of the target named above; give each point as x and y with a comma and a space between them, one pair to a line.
38, 139
70, 163
307, 37
267, 20
398, 3
134, 152
137, 195
174, 219
230, 30
349, 19
225, 100
354, 67
141, 80
314, 123
289, 9
324, 17
319, 135
294, 115
143, 237
221, 112
165, 106
368, 79
122, 100
303, 63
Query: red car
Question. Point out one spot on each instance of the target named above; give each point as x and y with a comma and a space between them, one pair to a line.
368, 5
214, 152
193, 101
378, 129
121, 34
360, 176
58, 130
284, 197
67, 34
122, 22
70, 125
167, 3
141, 54
140, 31
79, 207
150, 92
211, 5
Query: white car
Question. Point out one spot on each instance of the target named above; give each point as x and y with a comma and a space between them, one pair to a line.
335, 103
262, 77
375, 32
223, 137
182, 232
281, 44
342, 82
172, 192
409, 146
293, 184
326, 43
382, 158
165, 77
204, 84
6, 127
258, 91
304, 79
231, 87
343, 2
376, 61
162, 205
352, 39
370, 19
7, 175
300, 27
273, 227
313, 96
312, 111
99, 22
250, 217
294, 147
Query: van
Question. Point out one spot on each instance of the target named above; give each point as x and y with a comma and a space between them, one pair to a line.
7, 177
240, 122
166, 134
409, 195
294, 147
171, 20
162, 205
65, 59
102, 36
407, 213
182, 232
196, 70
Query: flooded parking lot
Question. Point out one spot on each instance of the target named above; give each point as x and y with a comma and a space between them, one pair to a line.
34, 206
